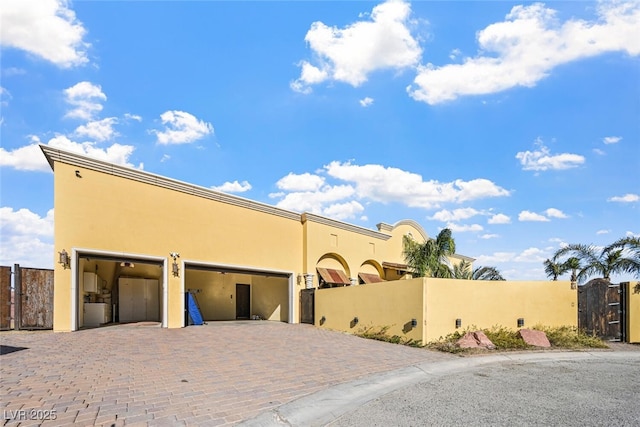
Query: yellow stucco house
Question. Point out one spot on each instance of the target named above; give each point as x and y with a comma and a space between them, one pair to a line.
136, 242
130, 246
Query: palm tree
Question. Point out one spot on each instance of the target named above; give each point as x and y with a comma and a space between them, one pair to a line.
486, 273
462, 270
552, 269
631, 250
595, 261
430, 258
572, 264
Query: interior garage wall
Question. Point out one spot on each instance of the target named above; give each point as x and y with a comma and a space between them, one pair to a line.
217, 296
217, 293
270, 298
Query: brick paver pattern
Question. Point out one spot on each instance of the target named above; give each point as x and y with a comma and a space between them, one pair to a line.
210, 375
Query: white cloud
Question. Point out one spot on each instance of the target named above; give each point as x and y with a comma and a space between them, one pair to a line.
129, 116
365, 102
315, 201
86, 100
351, 53
309, 75
455, 215
631, 234
300, 182
233, 187
527, 256
460, 228
525, 47
542, 159
44, 28
98, 130
23, 221
627, 198
5, 97
165, 157
494, 258
342, 211
611, 139
489, 236
599, 152
387, 184
531, 255
455, 54
30, 157
375, 183
499, 219
13, 71
27, 238
532, 216
181, 128
555, 213
599, 232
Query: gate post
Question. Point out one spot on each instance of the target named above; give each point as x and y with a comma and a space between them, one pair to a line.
17, 298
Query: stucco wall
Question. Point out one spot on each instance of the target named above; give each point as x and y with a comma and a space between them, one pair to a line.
269, 297
437, 303
497, 303
633, 312
386, 304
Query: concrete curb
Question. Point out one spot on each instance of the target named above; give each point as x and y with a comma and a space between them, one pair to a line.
324, 407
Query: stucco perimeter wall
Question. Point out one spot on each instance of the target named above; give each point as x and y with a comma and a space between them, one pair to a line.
484, 304
101, 211
633, 312
376, 305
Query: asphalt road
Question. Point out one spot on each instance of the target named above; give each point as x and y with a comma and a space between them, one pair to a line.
529, 389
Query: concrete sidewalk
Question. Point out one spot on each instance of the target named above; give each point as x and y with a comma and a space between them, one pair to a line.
217, 374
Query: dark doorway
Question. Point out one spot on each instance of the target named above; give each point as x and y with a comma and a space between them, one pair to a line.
243, 301
307, 306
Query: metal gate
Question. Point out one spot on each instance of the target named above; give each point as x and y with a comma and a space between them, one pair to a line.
601, 307
307, 306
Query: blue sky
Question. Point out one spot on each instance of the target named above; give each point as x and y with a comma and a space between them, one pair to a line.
514, 124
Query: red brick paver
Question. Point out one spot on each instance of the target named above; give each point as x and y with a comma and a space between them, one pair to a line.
216, 374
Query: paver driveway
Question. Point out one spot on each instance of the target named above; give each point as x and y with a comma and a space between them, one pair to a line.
216, 374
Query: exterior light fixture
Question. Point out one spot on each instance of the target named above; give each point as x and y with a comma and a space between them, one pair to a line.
63, 259
322, 320
127, 264
414, 323
520, 322
355, 320
458, 323
175, 268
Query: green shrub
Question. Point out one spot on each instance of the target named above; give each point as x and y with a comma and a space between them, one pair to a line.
380, 334
562, 337
505, 339
570, 337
